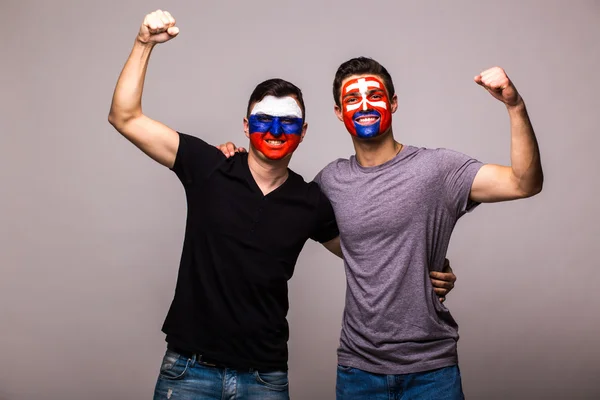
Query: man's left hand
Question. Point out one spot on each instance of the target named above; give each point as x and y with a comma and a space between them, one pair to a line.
443, 282
495, 81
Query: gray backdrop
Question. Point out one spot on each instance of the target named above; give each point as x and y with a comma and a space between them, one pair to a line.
91, 229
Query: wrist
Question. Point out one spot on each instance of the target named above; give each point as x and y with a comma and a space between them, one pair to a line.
144, 44
518, 106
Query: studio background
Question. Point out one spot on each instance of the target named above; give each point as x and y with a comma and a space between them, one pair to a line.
91, 229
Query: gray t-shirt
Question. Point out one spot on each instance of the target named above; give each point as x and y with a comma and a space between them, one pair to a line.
395, 223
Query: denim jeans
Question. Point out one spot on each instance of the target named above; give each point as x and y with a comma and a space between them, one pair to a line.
182, 378
438, 384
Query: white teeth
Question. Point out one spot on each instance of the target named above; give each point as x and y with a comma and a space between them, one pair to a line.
366, 120
274, 141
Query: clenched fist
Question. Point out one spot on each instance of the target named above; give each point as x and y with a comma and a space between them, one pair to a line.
495, 81
158, 27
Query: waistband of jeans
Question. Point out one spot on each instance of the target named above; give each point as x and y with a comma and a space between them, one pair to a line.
215, 363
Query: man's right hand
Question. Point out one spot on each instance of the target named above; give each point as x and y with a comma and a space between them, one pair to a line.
154, 138
158, 27
229, 149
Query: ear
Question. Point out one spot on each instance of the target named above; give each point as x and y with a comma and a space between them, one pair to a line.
304, 128
394, 103
338, 112
246, 128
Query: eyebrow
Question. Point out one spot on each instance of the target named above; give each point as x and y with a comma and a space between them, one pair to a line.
353, 93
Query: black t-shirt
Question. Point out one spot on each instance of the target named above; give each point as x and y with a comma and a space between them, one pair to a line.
240, 249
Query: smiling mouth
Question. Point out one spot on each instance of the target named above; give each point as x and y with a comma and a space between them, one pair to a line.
274, 142
366, 120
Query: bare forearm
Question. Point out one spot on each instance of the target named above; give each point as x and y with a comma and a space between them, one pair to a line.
525, 154
127, 97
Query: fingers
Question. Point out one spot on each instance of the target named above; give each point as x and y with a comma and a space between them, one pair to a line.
224, 150
442, 282
229, 149
161, 21
447, 278
493, 78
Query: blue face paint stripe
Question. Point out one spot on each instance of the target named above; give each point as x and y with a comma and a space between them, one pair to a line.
262, 123
369, 130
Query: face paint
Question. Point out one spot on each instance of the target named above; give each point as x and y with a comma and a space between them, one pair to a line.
275, 126
366, 107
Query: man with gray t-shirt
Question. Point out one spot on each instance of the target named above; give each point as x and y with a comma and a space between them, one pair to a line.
396, 206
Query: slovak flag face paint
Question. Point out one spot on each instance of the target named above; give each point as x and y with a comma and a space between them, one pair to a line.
275, 126
366, 107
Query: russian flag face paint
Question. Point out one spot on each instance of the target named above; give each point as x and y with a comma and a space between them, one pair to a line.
275, 126
366, 107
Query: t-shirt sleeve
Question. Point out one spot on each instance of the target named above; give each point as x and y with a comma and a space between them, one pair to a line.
326, 226
459, 173
195, 159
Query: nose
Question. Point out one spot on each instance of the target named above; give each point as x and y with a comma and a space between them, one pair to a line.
276, 129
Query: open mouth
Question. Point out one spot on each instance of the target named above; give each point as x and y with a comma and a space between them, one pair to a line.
366, 118
275, 142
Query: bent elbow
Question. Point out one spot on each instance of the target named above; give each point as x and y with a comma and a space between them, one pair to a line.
539, 187
115, 119
118, 120
112, 119
533, 189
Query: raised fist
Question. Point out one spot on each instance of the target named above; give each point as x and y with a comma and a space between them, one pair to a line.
158, 27
495, 81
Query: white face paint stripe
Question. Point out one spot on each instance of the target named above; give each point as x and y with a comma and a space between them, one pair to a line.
278, 107
363, 87
380, 104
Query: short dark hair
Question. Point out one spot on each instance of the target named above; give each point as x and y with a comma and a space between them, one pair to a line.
361, 66
278, 88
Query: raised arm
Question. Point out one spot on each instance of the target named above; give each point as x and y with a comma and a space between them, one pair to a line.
152, 137
524, 177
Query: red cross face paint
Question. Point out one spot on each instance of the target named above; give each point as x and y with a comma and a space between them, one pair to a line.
275, 126
366, 107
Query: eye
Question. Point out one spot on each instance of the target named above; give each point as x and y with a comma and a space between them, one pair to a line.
287, 121
264, 118
376, 97
350, 100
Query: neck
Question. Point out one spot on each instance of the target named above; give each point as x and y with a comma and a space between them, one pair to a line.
268, 174
377, 150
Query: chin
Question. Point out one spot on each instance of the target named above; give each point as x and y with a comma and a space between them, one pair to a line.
276, 157
369, 136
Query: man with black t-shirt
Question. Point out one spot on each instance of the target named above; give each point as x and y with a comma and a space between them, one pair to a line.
248, 219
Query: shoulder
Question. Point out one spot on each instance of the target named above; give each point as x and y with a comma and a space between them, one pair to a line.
332, 169
438, 155
310, 191
451, 158
299, 184
193, 145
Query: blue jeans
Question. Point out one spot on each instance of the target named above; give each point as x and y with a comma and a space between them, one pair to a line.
183, 378
438, 384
